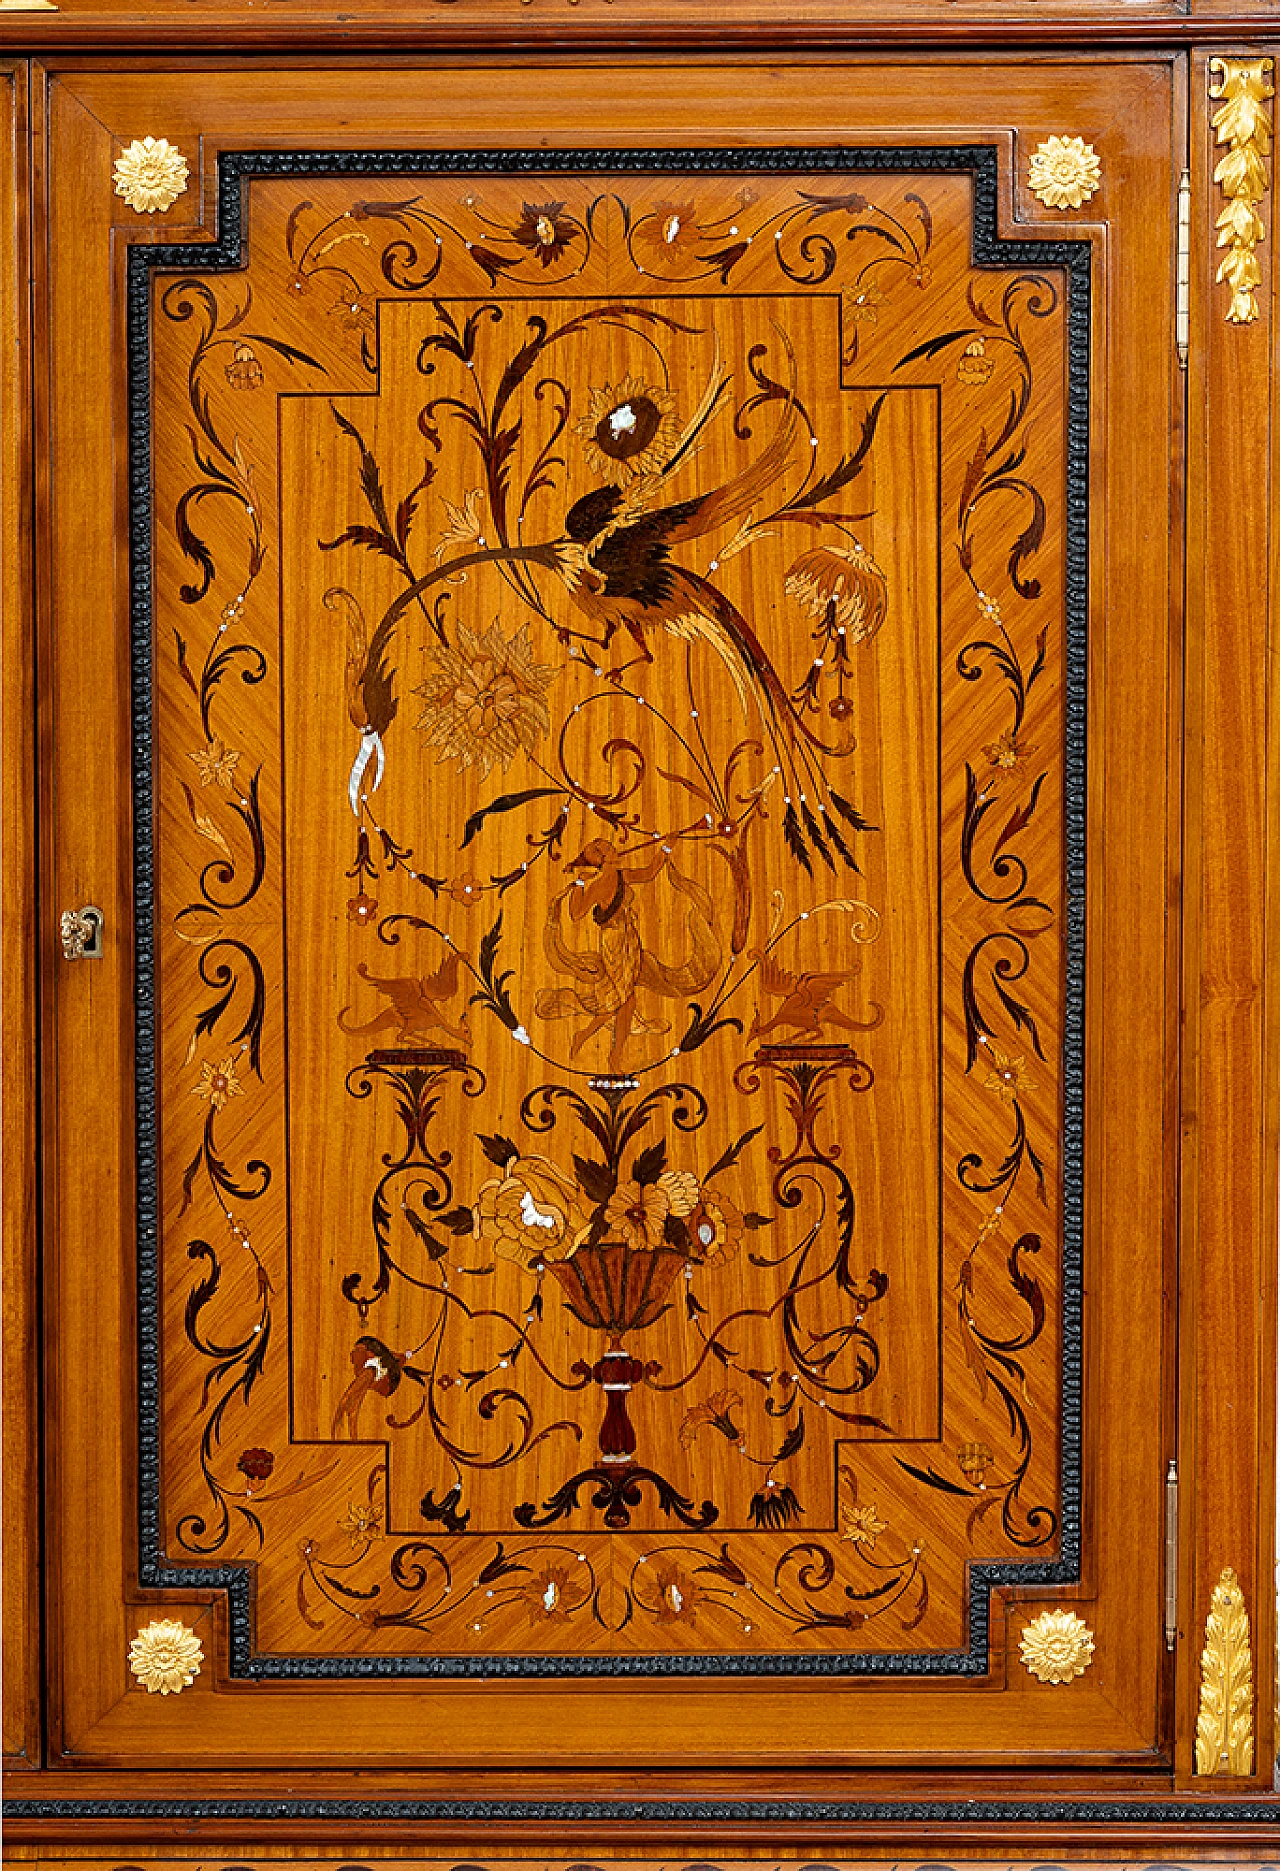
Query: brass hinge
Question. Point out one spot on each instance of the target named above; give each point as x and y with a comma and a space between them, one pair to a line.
1171, 1555
1182, 299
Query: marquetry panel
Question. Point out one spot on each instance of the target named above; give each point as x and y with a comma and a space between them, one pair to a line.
608, 656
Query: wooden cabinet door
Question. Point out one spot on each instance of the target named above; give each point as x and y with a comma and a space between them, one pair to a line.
610, 674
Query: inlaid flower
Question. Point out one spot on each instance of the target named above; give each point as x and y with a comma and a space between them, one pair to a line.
678, 1595
716, 1412
1064, 171
974, 365
256, 1464
376, 1369
715, 1229
1006, 750
1007, 1076
636, 1213
529, 1214
244, 372
487, 699
216, 763
150, 174
544, 229
843, 587
361, 910
863, 305
363, 1523
630, 428
353, 311
682, 1189
166, 1656
467, 890
376, 1365
464, 524
1057, 1646
775, 1506
218, 1082
668, 234
863, 1526
544, 1594
975, 1458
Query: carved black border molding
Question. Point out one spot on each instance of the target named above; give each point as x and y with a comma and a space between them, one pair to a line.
675, 1812
235, 170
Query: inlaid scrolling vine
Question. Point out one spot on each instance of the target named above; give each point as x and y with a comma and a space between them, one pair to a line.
616, 1228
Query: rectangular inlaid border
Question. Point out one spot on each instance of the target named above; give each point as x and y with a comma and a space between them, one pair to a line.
235, 170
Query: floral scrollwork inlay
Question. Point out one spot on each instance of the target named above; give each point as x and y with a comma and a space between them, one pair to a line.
165, 1656
1057, 1646
151, 174
1064, 172
1243, 122
605, 898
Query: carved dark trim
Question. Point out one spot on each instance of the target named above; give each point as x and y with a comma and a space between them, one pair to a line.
675, 1812
235, 170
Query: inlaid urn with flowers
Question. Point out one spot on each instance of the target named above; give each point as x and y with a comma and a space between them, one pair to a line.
614, 1245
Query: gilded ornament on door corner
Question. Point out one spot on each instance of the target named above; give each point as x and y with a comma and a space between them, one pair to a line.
166, 1656
1057, 1646
1224, 1730
1243, 122
151, 174
1064, 172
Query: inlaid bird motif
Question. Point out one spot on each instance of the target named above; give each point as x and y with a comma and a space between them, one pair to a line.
616, 563
807, 1002
618, 569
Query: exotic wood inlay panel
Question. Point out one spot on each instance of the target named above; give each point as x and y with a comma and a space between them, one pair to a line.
609, 747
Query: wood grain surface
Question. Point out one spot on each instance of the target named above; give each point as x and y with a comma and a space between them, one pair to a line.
18, 978
342, 437
1113, 1711
546, 26
1230, 1065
